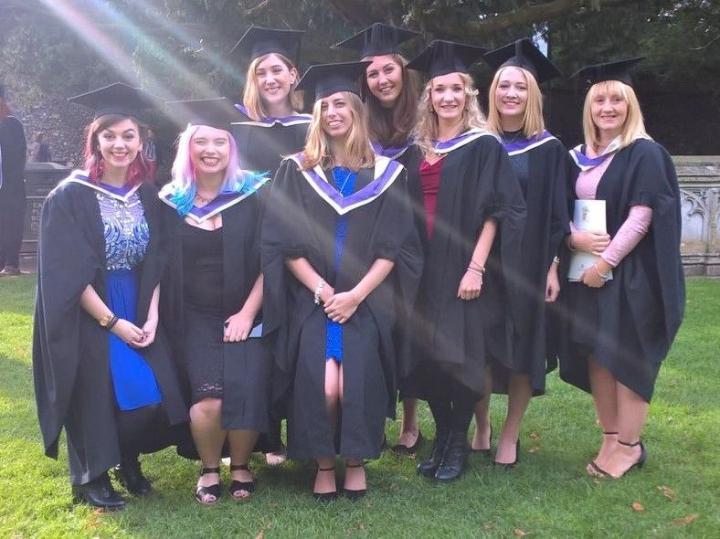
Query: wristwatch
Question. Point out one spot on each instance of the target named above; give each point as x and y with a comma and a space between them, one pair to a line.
105, 320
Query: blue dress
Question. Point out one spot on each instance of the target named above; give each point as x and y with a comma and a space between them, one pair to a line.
126, 240
344, 181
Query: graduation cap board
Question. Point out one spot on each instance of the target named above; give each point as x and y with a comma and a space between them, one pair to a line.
217, 112
323, 80
257, 42
377, 39
616, 70
523, 53
118, 98
443, 57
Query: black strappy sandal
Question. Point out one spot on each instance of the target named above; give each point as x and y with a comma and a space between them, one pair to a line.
210, 490
325, 496
354, 495
596, 470
237, 486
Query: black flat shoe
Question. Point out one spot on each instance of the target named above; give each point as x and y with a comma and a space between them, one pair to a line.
98, 493
210, 490
325, 496
429, 466
354, 495
236, 486
510, 465
400, 449
452, 465
129, 474
483, 451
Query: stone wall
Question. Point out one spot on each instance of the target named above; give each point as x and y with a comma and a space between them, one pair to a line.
699, 178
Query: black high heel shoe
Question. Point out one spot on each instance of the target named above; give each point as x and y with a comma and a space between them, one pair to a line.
453, 462
355, 495
429, 466
325, 496
236, 486
98, 493
210, 490
510, 465
400, 449
595, 469
129, 474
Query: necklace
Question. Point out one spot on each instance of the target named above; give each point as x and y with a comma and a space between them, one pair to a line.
203, 200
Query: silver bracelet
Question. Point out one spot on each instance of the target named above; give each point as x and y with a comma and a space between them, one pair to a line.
318, 290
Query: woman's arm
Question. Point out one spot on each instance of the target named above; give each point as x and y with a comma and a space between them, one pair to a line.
95, 307
471, 283
340, 307
239, 326
150, 325
306, 274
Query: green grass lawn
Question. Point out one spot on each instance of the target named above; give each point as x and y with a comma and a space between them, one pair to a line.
548, 494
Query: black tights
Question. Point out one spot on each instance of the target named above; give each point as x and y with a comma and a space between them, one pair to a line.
452, 406
139, 431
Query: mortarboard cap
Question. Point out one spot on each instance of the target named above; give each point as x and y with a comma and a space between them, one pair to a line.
377, 39
326, 79
259, 41
217, 112
443, 57
523, 53
118, 98
617, 70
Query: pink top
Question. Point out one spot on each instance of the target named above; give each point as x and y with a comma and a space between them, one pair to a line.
630, 232
430, 182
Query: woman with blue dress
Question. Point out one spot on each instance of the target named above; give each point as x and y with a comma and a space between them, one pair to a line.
100, 359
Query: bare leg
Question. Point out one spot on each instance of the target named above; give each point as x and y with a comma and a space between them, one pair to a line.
483, 430
209, 436
325, 480
409, 431
632, 413
604, 392
519, 393
242, 443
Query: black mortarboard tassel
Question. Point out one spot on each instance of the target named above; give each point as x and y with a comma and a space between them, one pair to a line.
617, 70
378, 39
523, 53
217, 112
259, 41
118, 98
323, 80
443, 57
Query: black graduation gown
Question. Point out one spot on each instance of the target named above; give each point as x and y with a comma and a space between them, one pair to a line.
543, 171
73, 386
301, 223
262, 145
629, 324
477, 182
246, 364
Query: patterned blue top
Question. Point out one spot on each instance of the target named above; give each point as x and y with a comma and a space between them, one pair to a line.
125, 229
344, 181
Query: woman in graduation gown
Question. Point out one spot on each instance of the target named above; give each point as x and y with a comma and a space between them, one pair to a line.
542, 164
333, 240
391, 93
214, 293
624, 313
270, 128
467, 200
100, 360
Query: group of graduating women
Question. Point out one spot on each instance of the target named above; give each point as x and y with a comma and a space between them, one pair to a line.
309, 266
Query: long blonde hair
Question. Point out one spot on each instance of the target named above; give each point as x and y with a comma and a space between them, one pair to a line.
533, 122
251, 95
359, 151
634, 126
426, 124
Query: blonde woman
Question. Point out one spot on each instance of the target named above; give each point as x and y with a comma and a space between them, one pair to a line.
624, 312
333, 239
272, 126
466, 195
391, 92
542, 164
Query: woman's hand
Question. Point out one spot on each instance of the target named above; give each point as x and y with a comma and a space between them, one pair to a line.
149, 329
589, 242
592, 278
129, 333
326, 293
238, 327
552, 284
470, 286
340, 307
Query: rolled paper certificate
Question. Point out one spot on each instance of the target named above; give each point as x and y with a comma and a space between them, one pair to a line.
589, 216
